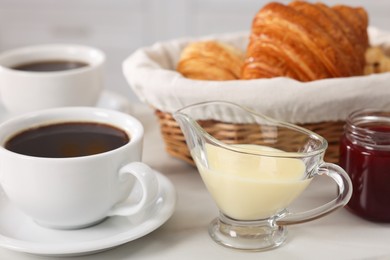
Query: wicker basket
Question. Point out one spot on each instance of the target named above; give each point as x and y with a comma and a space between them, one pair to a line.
320, 106
239, 133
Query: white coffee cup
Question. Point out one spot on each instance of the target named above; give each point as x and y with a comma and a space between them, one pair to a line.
24, 91
76, 192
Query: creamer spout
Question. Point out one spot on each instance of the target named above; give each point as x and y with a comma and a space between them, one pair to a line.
189, 128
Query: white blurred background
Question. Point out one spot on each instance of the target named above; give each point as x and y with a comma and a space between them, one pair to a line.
119, 27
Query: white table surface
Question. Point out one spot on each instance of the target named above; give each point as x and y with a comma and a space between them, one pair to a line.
340, 235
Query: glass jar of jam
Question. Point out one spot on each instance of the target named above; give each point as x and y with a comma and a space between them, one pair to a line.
365, 156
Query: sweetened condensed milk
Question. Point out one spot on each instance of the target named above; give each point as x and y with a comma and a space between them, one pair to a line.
250, 187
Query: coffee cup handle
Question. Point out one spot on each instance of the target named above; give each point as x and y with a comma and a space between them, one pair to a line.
149, 186
344, 194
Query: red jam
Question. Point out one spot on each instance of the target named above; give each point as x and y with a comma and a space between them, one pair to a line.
365, 156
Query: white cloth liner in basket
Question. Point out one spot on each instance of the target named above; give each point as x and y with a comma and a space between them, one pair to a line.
150, 71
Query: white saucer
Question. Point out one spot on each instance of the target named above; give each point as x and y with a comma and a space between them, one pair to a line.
109, 99
20, 233
112, 100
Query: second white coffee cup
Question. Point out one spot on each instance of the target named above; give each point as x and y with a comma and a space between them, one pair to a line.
75, 192
25, 90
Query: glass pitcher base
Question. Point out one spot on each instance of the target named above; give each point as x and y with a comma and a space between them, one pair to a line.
247, 235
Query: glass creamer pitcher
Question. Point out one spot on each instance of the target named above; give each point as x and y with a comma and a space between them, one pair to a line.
254, 167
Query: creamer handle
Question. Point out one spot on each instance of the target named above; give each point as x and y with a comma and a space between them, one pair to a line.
344, 194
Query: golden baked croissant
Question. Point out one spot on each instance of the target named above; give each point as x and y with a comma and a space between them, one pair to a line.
376, 61
210, 60
306, 42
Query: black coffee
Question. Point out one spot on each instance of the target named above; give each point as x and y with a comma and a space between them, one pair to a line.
71, 139
48, 66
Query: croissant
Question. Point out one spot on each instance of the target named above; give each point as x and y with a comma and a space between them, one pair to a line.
376, 61
210, 60
306, 42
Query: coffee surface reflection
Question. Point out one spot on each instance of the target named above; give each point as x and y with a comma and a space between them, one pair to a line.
71, 139
50, 65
